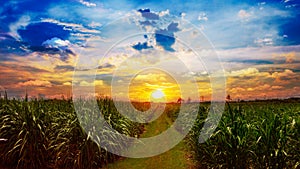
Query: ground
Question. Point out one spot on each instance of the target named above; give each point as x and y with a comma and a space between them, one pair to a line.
176, 158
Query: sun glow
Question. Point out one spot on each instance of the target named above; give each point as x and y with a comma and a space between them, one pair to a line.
157, 94
153, 85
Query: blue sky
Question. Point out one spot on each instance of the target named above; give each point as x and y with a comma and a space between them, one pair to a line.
258, 37
255, 22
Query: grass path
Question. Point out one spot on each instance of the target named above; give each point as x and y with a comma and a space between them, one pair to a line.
176, 158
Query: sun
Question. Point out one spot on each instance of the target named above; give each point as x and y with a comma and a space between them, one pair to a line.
157, 94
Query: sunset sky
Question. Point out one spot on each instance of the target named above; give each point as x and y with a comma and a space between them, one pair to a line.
258, 43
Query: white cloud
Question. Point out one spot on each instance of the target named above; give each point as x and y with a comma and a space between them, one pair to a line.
285, 73
257, 52
244, 15
291, 6
202, 17
74, 26
94, 24
21, 23
182, 14
267, 41
151, 77
163, 13
88, 4
244, 72
240, 26
37, 83
262, 3
287, 54
56, 43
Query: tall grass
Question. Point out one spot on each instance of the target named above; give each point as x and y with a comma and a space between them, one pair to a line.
47, 134
251, 135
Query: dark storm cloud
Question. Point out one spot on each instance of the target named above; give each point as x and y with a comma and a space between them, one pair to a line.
21, 38
13, 10
64, 53
173, 27
36, 33
148, 15
32, 69
253, 61
32, 38
147, 23
56, 82
9, 45
106, 65
140, 46
23, 68
165, 37
64, 68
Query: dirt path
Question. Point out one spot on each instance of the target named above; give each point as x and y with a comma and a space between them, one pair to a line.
176, 158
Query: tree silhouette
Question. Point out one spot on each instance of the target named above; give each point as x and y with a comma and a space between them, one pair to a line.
228, 98
189, 100
180, 100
